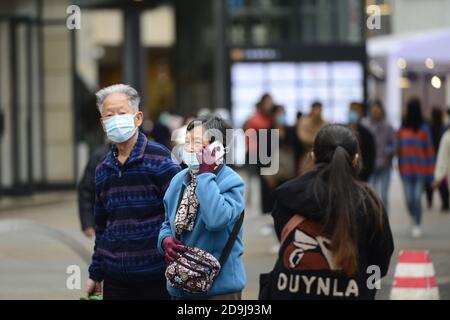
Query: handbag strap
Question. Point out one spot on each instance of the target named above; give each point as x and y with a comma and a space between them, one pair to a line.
289, 226
232, 239
183, 187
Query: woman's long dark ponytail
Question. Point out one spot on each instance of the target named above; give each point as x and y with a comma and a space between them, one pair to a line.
335, 148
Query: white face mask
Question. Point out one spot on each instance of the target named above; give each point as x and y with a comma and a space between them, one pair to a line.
191, 160
120, 128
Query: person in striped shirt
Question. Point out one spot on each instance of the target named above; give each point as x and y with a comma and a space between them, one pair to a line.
416, 160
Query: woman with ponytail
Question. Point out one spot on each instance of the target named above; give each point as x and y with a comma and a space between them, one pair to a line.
336, 241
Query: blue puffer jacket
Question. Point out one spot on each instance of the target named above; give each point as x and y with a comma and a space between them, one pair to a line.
221, 201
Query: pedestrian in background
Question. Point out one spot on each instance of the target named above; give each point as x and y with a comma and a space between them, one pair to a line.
260, 120
286, 151
86, 190
442, 171
416, 161
384, 135
306, 132
365, 138
438, 129
285, 136
160, 131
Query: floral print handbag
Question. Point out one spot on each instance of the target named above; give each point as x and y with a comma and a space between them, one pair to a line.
195, 270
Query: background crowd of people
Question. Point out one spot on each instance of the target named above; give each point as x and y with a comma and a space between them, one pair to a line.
415, 145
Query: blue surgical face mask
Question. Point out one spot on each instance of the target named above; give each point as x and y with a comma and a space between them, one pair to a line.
191, 160
353, 117
120, 128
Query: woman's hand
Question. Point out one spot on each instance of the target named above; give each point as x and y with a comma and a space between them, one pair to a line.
207, 159
173, 247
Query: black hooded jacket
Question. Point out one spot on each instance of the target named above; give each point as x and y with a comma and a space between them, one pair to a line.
86, 188
305, 255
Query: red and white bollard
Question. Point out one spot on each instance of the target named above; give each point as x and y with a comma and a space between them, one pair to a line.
414, 277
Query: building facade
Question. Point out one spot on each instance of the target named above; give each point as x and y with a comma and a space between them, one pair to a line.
36, 96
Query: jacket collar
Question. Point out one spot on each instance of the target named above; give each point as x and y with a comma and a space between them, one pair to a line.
187, 177
137, 154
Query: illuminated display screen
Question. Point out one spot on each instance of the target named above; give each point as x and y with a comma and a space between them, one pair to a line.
295, 86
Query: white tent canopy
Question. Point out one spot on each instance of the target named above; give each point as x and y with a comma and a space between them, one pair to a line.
415, 49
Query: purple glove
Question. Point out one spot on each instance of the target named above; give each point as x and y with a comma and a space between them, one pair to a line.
207, 160
172, 246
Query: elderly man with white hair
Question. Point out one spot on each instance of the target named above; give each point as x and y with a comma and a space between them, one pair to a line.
130, 185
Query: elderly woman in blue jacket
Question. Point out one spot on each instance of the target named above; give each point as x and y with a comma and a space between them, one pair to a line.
205, 214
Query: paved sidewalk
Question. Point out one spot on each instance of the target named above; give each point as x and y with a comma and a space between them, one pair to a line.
33, 266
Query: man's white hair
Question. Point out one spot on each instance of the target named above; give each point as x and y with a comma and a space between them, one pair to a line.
133, 96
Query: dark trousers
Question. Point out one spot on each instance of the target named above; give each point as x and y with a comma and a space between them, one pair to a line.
443, 192
146, 290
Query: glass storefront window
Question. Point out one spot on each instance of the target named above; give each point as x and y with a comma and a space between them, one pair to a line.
296, 85
274, 22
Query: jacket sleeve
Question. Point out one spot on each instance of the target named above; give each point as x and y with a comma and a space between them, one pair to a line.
381, 247
430, 153
166, 230
428, 145
223, 207
443, 158
168, 170
101, 216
